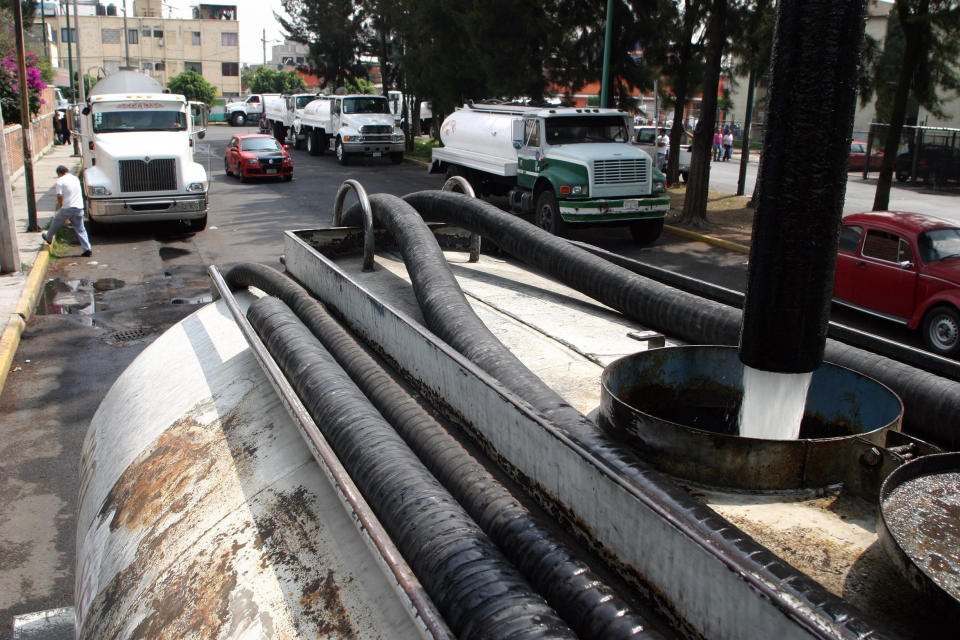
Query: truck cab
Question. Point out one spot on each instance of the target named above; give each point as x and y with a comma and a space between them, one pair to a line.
364, 126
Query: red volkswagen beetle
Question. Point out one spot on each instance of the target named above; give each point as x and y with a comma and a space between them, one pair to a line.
256, 155
904, 267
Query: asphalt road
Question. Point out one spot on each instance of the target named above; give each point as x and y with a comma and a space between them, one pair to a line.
99, 313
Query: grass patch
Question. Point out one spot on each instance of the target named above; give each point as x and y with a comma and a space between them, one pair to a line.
422, 148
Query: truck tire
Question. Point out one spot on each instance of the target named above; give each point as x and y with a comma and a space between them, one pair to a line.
342, 156
646, 232
396, 157
238, 119
941, 330
314, 147
547, 215
299, 143
902, 176
197, 224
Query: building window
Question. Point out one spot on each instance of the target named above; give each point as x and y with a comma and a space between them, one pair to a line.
70, 36
53, 36
158, 33
230, 69
160, 66
147, 66
228, 39
145, 32
196, 37
133, 36
300, 60
193, 66
110, 36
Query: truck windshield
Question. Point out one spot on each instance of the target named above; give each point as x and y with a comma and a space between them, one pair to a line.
579, 129
303, 101
147, 120
366, 105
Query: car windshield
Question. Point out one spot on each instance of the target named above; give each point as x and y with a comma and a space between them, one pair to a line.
259, 144
366, 105
147, 120
939, 245
574, 130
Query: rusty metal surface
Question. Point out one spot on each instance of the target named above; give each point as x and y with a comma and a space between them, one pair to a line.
203, 515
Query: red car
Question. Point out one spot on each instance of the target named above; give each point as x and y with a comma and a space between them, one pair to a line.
858, 156
904, 267
255, 155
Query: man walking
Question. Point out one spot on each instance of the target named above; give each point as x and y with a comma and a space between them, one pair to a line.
70, 207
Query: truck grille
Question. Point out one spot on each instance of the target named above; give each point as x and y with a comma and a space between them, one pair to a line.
369, 129
156, 175
620, 171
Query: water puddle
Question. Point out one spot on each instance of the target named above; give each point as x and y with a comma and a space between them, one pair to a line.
66, 297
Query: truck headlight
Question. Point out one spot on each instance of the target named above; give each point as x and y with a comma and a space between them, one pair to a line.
398, 137
100, 191
574, 189
197, 187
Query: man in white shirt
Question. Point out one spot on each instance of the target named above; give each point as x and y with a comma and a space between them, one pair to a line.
70, 207
663, 149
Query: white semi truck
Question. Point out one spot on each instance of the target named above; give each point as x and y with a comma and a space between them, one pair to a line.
283, 112
137, 146
352, 126
566, 166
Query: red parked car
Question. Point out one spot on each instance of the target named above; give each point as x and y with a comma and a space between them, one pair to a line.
255, 155
904, 267
858, 156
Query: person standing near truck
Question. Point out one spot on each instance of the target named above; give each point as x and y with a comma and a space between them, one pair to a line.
663, 148
70, 207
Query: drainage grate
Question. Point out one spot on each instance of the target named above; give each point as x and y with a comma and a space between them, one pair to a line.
126, 335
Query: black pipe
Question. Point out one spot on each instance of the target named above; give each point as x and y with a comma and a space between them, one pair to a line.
588, 605
478, 591
801, 186
930, 402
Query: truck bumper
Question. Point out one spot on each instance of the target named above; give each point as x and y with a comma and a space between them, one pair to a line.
610, 210
150, 209
375, 149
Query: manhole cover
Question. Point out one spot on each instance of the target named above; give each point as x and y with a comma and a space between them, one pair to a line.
125, 335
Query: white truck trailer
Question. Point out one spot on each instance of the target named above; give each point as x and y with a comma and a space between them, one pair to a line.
137, 145
352, 126
566, 166
248, 110
283, 112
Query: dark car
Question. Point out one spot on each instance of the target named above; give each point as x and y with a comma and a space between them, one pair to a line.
904, 267
936, 164
858, 157
255, 155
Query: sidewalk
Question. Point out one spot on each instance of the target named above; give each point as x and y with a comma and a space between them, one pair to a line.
19, 291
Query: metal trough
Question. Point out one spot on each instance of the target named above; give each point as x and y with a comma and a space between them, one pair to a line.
678, 407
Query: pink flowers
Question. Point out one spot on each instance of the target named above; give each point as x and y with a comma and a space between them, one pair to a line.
10, 86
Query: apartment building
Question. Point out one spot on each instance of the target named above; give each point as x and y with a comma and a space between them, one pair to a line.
208, 43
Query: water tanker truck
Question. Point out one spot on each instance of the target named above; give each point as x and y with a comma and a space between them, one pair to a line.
137, 144
566, 166
351, 126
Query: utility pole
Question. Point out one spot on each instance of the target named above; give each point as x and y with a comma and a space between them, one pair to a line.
27, 132
73, 90
83, 88
607, 45
126, 34
43, 21
263, 39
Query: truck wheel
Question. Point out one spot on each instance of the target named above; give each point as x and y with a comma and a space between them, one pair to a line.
941, 331
341, 154
547, 215
396, 157
197, 224
313, 144
298, 142
238, 119
646, 232
685, 176
902, 176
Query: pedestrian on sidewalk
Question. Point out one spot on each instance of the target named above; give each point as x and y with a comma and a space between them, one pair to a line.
717, 144
70, 207
727, 144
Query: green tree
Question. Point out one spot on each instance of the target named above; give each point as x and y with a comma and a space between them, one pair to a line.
193, 86
929, 64
333, 30
359, 86
265, 80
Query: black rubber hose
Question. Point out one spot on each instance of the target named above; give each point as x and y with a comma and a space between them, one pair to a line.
478, 591
930, 401
588, 605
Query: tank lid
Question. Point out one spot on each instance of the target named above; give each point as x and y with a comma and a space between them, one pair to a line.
126, 82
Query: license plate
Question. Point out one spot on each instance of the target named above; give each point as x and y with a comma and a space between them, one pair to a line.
271, 170
377, 154
631, 205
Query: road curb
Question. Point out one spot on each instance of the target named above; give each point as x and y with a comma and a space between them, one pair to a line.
10, 339
717, 242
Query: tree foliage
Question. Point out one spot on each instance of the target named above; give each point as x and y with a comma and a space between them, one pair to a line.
266, 80
10, 86
333, 31
193, 86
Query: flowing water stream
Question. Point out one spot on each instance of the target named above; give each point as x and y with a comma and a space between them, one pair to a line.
773, 404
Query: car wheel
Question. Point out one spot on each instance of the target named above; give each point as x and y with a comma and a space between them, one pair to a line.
238, 119
902, 176
547, 215
197, 224
941, 330
226, 168
288, 178
646, 232
341, 154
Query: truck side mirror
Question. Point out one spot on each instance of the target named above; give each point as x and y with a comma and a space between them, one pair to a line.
86, 111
